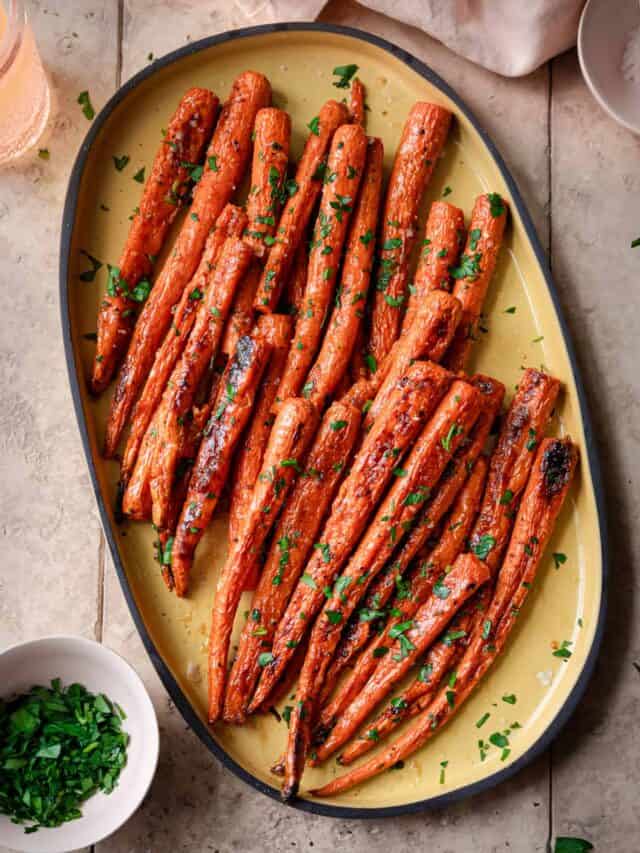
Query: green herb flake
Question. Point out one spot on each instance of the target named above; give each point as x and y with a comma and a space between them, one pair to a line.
265, 658
564, 651
43, 153
139, 176
345, 73
565, 844
510, 698
314, 127
120, 162
559, 559
87, 107
483, 719
482, 548
496, 204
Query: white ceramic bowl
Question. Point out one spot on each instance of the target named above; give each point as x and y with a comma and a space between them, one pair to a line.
609, 30
74, 659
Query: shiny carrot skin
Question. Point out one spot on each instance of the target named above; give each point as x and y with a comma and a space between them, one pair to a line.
473, 275
226, 161
292, 431
242, 317
543, 499
298, 208
293, 294
351, 295
230, 413
414, 401
183, 146
420, 146
419, 583
292, 541
358, 634
439, 252
429, 336
416, 477
230, 223
272, 135
356, 102
511, 462
467, 574
344, 174
276, 329
179, 395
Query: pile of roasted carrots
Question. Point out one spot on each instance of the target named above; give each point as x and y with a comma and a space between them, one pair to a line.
287, 357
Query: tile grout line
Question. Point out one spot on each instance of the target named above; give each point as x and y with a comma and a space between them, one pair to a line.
550, 256
102, 544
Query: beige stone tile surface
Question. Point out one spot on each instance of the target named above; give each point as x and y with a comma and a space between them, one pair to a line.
52, 572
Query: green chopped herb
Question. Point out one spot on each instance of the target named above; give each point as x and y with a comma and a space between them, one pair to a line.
87, 107
496, 204
324, 549
90, 274
510, 699
43, 153
139, 176
307, 580
213, 163
337, 425
367, 237
314, 127
559, 559
565, 844
441, 590
510, 310
58, 747
499, 740
446, 191
265, 658
483, 546
563, 652
507, 497
483, 719
334, 616
120, 162
345, 74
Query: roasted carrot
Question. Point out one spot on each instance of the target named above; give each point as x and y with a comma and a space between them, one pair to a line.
411, 639
476, 268
351, 294
440, 250
356, 102
227, 158
456, 477
230, 412
267, 192
136, 499
429, 336
292, 431
511, 463
293, 294
276, 329
178, 156
291, 543
421, 144
440, 660
416, 478
544, 496
417, 587
344, 174
201, 347
242, 316
298, 208
230, 223
416, 397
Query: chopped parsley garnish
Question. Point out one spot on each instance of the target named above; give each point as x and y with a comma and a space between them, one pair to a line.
90, 274
324, 549
483, 546
483, 719
139, 176
314, 127
496, 204
87, 107
265, 658
345, 73
563, 652
120, 162
446, 440
441, 590
510, 699
334, 616
213, 163
446, 191
58, 747
367, 237
43, 153
559, 559
565, 844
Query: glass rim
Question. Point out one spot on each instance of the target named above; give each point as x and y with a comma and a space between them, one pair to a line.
16, 16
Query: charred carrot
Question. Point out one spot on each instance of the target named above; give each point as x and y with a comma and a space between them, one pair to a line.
230, 223
291, 543
439, 252
416, 478
267, 192
475, 271
201, 347
351, 294
276, 329
410, 640
242, 316
178, 157
294, 291
227, 158
298, 208
417, 587
544, 496
415, 399
344, 174
422, 141
290, 436
511, 463
229, 415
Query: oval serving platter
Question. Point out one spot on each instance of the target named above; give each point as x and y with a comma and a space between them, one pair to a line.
523, 320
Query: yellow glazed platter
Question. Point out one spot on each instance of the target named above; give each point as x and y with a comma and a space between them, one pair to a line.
522, 328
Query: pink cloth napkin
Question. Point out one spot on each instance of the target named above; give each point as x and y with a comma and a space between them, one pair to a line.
510, 37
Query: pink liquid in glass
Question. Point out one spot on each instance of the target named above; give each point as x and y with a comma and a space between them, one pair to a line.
25, 99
